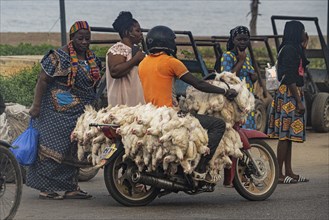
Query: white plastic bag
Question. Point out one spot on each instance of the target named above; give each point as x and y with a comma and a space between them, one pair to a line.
272, 82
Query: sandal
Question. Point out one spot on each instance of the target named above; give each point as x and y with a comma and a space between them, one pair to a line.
301, 179
50, 196
79, 194
287, 180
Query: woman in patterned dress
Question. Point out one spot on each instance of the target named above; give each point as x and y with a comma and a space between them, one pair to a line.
65, 85
287, 119
236, 60
122, 59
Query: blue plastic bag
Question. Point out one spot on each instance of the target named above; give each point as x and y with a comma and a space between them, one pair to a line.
25, 147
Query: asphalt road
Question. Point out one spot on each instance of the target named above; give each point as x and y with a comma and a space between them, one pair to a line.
299, 201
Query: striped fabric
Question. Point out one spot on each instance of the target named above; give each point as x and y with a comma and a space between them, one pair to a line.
78, 25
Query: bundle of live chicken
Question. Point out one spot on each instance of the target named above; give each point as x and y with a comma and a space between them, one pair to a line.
151, 136
231, 112
160, 136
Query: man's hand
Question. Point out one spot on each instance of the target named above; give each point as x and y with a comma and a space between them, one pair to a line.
230, 94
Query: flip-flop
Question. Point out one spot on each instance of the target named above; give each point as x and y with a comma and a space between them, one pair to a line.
77, 195
302, 179
288, 180
51, 196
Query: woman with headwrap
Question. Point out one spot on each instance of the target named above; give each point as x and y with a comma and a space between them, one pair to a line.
122, 59
287, 119
65, 85
237, 61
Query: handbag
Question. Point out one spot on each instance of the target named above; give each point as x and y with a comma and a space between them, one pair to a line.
25, 146
272, 82
271, 75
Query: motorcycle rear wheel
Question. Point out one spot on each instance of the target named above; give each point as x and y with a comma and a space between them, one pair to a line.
247, 182
118, 184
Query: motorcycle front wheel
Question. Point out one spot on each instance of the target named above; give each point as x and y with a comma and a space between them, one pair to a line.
117, 176
252, 184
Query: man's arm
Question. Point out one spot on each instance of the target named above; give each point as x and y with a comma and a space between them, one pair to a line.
202, 85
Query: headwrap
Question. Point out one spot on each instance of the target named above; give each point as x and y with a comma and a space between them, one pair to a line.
78, 25
94, 72
233, 33
292, 35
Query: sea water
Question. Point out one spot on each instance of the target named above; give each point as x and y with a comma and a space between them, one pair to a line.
203, 17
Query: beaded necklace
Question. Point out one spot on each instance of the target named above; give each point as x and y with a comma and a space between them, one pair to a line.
93, 72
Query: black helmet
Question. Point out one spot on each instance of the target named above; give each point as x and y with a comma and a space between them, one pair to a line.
161, 38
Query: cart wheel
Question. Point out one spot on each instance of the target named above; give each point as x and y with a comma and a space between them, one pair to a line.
260, 116
320, 112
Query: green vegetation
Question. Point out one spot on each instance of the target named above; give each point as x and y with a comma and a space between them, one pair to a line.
19, 87
24, 49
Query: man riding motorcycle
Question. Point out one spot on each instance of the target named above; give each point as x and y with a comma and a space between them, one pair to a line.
157, 73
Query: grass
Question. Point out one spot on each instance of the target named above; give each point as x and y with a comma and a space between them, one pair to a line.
19, 88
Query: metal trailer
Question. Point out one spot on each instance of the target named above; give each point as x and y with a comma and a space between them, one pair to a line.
316, 88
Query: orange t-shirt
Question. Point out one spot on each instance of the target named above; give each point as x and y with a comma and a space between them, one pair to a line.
157, 73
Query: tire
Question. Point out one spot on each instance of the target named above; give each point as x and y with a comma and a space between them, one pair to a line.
86, 174
10, 193
121, 192
260, 115
11, 178
320, 112
250, 185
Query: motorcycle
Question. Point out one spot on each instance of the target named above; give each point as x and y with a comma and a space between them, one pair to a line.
254, 176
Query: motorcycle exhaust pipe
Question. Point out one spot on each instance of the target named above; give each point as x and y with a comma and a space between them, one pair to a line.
137, 177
